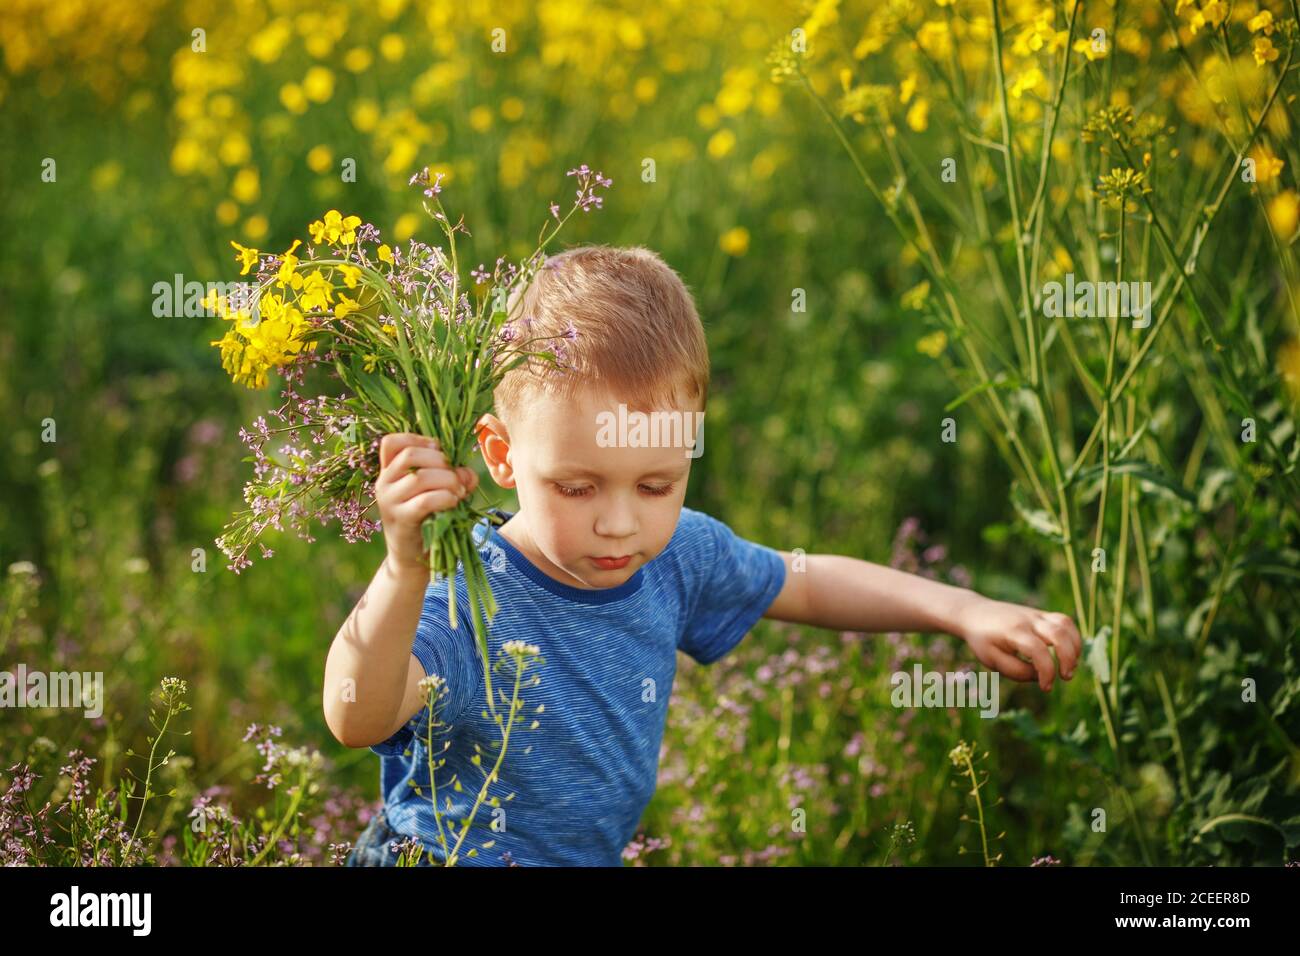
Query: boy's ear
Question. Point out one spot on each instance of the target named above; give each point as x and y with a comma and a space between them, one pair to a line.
494, 444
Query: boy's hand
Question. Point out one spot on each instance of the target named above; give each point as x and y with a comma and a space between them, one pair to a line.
415, 481
997, 631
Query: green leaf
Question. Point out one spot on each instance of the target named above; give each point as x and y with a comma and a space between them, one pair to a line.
1213, 488
378, 390
998, 381
1038, 519
1241, 826
1143, 471
1095, 654
395, 393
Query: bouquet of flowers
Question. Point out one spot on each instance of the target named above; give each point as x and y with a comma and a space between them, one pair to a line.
415, 350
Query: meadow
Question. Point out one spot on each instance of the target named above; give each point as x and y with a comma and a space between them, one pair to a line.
870, 202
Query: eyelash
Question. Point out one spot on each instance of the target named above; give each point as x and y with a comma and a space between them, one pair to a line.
568, 492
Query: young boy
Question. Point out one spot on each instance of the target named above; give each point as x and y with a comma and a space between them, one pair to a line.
605, 572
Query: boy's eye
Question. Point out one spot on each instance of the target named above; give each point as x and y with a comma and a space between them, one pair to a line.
568, 492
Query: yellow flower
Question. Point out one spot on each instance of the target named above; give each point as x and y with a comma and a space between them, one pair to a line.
317, 293
248, 352
334, 228
914, 298
1267, 165
1031, 79
365, 115
480, 119
933, 344
247, 256
1038, 35
392, 47
390, 329
350, 275
721, 143
905, 89
385, 254
357, 60
1288, 363
345, 306
1211, 15
288, 274
371, 361
234, 150
256, 227
293, 98
935, 39
1264, 51
918, 117
1284, 213
318, 84
187, 156
735, 242
1262, 21
106, 176
405, 226
1089, 49
213, 302
245, 187
319, 159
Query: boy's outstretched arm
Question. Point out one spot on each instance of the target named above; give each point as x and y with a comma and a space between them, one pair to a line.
847, 594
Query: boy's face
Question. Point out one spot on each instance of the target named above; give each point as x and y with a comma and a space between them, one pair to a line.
587, 488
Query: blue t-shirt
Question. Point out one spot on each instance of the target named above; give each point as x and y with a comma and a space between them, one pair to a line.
583, 777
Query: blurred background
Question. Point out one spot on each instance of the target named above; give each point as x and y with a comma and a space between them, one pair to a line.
141, 136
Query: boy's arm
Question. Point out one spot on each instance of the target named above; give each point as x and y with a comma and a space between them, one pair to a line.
372, 675
848, 594
372, 650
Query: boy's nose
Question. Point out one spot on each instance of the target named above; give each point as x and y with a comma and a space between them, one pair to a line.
616, 523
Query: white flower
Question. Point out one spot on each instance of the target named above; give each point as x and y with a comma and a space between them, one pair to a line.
431, 683
519, 648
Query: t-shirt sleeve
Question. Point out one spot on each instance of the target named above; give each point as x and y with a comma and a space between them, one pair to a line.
737, 582
452, 655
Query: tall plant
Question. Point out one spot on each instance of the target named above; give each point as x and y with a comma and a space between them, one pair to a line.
1013, 145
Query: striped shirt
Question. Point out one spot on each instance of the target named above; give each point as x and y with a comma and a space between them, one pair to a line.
582, 778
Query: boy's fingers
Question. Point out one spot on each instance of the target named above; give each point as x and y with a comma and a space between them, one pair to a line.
413, 483
1058, 636
422, 505
412, 457
394, 442
1072, 631
390, 445
1032, 646
1009, 665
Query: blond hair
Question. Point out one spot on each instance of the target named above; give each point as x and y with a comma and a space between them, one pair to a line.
631, 327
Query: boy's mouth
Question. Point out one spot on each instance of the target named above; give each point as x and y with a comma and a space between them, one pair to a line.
612, 564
